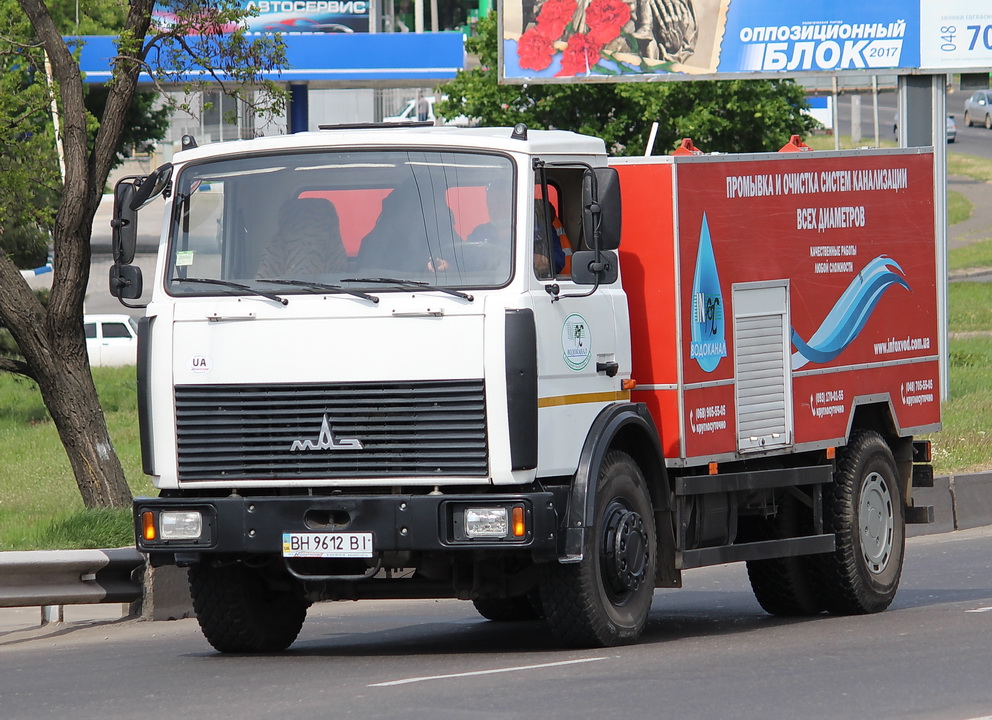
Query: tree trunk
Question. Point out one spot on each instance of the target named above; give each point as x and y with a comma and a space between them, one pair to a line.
71, 399
52, 339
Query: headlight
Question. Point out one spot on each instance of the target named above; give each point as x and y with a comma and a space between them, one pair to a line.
180, 525
491, 522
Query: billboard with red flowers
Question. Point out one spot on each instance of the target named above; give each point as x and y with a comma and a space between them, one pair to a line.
603, 40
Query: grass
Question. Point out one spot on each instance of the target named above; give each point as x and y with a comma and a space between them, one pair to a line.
958, 208
40, 506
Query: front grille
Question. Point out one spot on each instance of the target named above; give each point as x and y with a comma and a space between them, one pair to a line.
343, 430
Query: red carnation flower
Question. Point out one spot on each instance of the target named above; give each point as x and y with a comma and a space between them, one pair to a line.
534, 50
554, 17
606, 18
580, 55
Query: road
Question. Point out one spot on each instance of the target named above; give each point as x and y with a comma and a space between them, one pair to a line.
970, 141
709, 652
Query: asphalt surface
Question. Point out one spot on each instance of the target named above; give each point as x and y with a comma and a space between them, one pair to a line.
708, 652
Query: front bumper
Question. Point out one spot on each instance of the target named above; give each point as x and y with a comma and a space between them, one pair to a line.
398, 523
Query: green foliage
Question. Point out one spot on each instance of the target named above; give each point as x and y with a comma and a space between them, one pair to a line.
26, 245
143, 124
725, 116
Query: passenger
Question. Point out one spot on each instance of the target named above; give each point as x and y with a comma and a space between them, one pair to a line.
561, 247
307, 242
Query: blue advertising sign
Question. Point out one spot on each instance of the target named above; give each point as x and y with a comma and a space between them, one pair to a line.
597, 40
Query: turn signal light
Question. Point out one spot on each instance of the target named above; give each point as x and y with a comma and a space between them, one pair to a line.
519, 529
148, 525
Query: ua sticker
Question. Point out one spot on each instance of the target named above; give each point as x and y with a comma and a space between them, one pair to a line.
198, 364
709, 342
576, 342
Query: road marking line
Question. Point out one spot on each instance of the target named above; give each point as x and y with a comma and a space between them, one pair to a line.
407, 681
981, 609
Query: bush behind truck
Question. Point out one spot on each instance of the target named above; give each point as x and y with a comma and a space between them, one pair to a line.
362, 375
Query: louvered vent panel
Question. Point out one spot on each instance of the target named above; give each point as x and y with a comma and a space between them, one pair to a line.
762, 393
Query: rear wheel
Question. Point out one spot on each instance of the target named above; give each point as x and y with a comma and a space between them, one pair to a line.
782, 586
513, 609
863, 507
604, 599
240, 612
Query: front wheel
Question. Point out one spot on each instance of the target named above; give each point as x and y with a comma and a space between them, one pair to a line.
604, 599
240, 611
863, 507
967, 118
988, 122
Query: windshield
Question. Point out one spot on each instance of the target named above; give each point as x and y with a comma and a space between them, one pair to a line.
342, 222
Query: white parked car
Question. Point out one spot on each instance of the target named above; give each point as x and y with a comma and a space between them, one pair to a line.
111, 340
409, 114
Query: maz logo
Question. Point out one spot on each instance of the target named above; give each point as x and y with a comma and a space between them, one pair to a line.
327, 441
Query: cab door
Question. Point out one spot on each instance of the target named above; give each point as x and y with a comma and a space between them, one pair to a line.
583, 351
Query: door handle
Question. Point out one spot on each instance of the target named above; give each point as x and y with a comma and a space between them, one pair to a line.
610, 368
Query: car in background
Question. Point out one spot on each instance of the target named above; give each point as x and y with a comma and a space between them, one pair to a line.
111, 340
978, 109
951, 128
409, 114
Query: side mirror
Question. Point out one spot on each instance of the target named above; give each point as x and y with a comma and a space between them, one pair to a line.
590, 267
601, 208
125, 281
152, 186
124, 224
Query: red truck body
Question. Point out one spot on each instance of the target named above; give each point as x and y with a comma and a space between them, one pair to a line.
772, 295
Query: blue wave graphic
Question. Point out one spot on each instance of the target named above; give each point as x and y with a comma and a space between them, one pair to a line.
848, 317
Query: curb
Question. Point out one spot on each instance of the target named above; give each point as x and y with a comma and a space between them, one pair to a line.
960, 502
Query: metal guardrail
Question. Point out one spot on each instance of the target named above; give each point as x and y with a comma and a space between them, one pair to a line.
70, 577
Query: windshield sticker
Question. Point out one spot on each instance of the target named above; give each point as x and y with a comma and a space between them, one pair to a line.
576, 342
184, 258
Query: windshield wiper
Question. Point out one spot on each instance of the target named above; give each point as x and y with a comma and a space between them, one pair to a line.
322, 286
237, 286
418, 284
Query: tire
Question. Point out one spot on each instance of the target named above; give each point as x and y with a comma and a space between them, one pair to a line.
967, 118
863, 508
514, 609
604, 600
783, 586
988, 122
239, 612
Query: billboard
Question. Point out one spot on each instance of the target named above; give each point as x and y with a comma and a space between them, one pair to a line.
616, 40
309, 16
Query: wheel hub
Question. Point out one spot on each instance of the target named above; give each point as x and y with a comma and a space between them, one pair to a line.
876, 519
625, 549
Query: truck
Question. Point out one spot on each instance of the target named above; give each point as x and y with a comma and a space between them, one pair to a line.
360, 376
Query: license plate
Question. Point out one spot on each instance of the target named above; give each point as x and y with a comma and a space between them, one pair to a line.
327, 545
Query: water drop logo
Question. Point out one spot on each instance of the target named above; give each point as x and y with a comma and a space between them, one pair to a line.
850, 313
709, 342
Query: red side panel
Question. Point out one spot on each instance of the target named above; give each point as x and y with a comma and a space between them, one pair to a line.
854, 237
647, 259
847, 240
